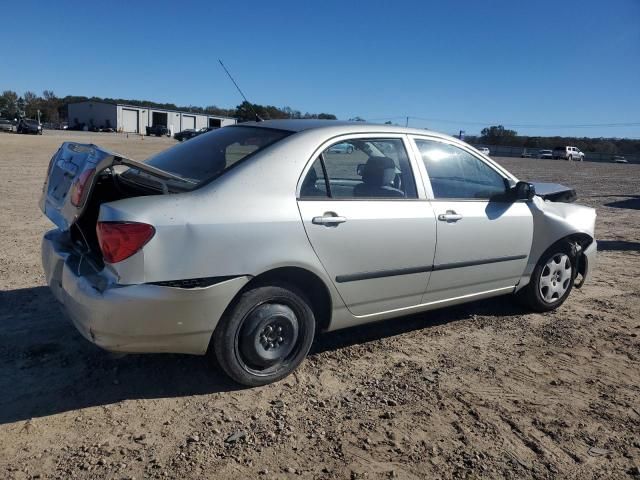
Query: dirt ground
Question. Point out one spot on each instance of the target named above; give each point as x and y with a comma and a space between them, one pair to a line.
485, 390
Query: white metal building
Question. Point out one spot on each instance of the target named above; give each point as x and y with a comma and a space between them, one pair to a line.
132, 119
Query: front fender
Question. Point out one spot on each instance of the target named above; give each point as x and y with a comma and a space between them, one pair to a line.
553, 221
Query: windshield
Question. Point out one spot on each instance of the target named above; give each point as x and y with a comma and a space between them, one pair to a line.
208, 155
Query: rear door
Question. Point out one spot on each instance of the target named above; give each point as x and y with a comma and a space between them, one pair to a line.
483, 239
369, 224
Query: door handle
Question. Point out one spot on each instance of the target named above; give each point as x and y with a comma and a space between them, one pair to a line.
329, 218
450, 216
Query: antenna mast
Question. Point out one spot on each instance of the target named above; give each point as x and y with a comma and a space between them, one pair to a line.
258, 118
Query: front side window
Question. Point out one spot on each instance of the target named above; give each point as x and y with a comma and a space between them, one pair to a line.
365, 168
455, 173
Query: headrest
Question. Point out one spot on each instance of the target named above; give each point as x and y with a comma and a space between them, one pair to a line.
379, 171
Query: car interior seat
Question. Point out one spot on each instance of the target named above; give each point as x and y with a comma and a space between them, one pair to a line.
377, 179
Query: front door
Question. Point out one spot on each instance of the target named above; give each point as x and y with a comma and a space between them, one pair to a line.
483, 239
372, 234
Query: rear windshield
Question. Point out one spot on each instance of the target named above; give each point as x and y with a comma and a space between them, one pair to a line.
208, 155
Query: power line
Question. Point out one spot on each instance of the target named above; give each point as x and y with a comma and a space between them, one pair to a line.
507, 124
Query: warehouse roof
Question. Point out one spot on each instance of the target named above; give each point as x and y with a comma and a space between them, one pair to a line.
157, 109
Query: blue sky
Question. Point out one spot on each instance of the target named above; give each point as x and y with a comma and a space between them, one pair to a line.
537, 66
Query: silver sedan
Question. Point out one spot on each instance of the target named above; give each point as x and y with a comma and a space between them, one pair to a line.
247, 241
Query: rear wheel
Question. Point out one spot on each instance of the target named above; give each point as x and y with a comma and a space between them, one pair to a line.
551, 281
265, 335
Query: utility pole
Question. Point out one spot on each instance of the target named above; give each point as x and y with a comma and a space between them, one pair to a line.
406, 123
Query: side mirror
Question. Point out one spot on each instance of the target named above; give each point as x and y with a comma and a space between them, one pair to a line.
524, 191
360, 169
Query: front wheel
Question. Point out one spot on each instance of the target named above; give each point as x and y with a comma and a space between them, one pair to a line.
551, 281
265, 335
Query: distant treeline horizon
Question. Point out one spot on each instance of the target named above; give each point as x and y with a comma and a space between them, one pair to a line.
54, 109
497, 135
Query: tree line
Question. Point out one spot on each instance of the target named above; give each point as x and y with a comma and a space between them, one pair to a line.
501, 136
54, 109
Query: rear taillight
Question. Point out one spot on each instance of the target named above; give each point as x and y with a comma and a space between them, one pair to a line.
120, 240
80, 185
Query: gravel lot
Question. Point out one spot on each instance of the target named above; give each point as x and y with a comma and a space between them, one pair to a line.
485, 390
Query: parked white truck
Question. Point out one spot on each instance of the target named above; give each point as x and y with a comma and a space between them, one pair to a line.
568, 153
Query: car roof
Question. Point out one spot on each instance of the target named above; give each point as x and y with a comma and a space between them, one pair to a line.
299, 125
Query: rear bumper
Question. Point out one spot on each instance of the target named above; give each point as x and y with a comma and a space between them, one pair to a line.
134, 318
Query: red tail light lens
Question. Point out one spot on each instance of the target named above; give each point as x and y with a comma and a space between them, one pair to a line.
120, 240
80, 185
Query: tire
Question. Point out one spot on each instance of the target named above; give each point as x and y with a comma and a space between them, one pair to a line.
264, 335
551, 281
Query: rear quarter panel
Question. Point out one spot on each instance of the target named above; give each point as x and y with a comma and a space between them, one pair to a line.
245, 223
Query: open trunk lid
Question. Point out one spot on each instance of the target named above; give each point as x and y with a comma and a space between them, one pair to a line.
73, 172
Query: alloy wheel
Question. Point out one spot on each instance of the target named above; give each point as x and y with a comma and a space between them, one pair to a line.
555, 278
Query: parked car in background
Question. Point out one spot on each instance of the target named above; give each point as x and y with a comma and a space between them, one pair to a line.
619, 159
527, 154
158, 131
27, 125
484, 150
567, 153
185, 134
190, 133
545, 154
245, 242
6, 125
342, 148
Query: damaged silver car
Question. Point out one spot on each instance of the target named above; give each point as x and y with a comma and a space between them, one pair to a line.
247, 241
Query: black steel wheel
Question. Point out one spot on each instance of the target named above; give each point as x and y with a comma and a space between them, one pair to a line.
264, 335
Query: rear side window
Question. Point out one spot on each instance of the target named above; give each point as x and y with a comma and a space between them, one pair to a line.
455, 173
314, 184
210, 154
367, 168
